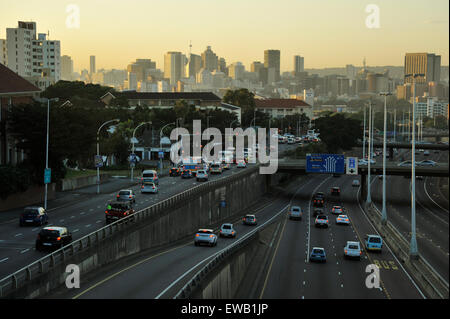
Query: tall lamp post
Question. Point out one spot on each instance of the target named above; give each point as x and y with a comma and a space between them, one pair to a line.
160, 144
132, 143
46, 149
413, 251
364, 134
98, 151
369, 157
383, 211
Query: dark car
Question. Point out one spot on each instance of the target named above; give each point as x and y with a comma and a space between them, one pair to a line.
126, 195
335, 191
53, 237
249, 220
186, 174
175, 171
318, 199
116, 210
33, 216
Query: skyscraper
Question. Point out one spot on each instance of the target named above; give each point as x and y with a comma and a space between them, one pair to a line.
92, 65
66, 68
210, 60
272, 61
299, 64
173, 66
19, 47
425, 63
194, 65
3, 52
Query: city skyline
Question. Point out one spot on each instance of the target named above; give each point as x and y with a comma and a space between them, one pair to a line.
329, 34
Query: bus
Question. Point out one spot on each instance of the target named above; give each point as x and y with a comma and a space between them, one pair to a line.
194, 164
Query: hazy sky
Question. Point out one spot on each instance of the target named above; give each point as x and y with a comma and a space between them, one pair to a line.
328, 33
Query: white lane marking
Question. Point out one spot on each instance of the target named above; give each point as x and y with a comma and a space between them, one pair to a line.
71, 217
25, 250
426, 192
88, 225
75, 230
98, 221
34, 229
61, 220
4, 259
17, 235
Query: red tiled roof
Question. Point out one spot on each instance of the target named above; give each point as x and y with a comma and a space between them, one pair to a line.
280, 103
12, 83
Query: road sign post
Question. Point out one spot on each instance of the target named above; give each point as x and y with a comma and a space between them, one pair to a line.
47, 176
352, 166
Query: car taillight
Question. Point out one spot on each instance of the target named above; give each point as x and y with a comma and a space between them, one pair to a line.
360, 252
197, 235
153, 187
346, 251
58, 239
130, 196
211, 236
118, 196
106, 212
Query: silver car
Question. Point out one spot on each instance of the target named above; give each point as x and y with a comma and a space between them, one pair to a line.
227, 230
206, 237
149, 187
295, 212
202, 175
343, 219
126, 195
352, 250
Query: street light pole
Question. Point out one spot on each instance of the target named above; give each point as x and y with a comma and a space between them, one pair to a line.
46, 148
364, 134
369, 158
98, 152
383, 211
132, 149
160, 144
413, 250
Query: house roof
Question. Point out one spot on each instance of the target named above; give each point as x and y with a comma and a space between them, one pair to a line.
13, 84
204, 96
280, 103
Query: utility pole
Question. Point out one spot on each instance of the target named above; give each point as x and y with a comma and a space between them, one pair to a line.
369, 158
383, 211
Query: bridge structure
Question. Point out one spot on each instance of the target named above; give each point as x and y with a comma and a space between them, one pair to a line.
391, 145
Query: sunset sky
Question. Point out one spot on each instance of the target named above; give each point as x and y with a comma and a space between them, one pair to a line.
328, 33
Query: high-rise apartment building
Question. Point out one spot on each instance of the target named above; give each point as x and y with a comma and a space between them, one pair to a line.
210, 61
299, 64
3, 52
173, 66
92, 69
46, 56
19, 47
66, 68
272, 61
425, 63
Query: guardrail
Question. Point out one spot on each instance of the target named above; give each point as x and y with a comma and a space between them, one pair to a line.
21, 277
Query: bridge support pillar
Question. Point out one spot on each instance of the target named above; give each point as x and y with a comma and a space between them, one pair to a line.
363, 187
391, 153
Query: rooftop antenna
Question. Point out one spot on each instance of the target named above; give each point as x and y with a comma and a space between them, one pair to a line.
190, 47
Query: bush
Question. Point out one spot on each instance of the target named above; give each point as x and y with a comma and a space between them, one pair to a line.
14, 180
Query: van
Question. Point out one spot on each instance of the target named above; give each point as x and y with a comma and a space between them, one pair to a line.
150, 176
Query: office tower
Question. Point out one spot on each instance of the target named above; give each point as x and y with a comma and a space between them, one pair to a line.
141, 68
194, 65
256, 66
425, 63
66, 68
19, 47
173, 66
222, 66
3, 52
210, 60
272, 61
92, 64
236, 71
351, 71
299, 64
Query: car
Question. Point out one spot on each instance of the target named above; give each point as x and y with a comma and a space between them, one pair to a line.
226, 166
352, 250
216, 168
33, 215
126, 195
227, 230
373, 243
249, 220
337, 210
317, 211
150, 176
53, 237
116, 210
335, 191
186, 173
364, 162
405, 164
291, 140
380, 176
318, 254
202, 176
342, 219
175, 171
205, 236
321, 221
355, 183
426, 163
318, 200
295, 212
149, 187
419, 177
426, 153
241, 164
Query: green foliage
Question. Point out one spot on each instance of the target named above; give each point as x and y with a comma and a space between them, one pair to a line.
14, 180
301, 151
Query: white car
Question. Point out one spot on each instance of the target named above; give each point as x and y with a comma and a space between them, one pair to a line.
205, 236
352, 250
149, 187
366, 162
241, 164
343, 219
291, 140
355, 182
202, 175
227, 230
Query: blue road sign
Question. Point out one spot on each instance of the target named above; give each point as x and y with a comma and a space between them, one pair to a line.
325, 163
161, 154
47, 176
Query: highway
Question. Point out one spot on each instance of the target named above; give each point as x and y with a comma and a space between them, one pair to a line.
432, 215
292, 275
